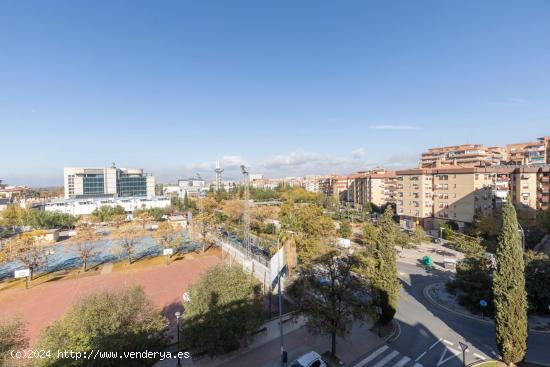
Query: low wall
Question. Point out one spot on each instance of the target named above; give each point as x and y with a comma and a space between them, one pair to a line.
232, 253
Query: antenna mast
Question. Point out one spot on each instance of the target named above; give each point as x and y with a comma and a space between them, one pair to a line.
218, 171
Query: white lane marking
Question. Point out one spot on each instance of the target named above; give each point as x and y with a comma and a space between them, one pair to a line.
434, 344
443, 360
386, 359
372, 356
478, 356
418, 365
448, 342
420, 356
430, 348
403, 361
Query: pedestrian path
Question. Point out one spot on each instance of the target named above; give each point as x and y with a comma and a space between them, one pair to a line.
387, 357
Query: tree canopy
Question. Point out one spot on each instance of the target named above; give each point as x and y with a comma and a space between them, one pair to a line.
330, 295
12, 337
118, 320
313, 230
224, 309
509, 291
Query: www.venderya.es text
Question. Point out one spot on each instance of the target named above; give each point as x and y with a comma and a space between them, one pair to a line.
96, 354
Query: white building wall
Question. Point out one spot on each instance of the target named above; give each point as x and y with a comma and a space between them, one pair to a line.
110, 177
150, 185
87, 206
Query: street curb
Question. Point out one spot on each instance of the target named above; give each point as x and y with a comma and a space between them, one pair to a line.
481, 362
396, 330
426, 294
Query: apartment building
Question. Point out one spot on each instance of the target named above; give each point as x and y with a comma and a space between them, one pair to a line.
336, 186
466, 155
531, 189
107, 182
429, 196
535, 152
377, 186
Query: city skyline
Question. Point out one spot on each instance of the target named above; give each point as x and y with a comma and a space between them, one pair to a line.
289, 89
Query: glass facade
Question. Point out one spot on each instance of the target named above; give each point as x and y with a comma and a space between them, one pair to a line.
93, 184
132, 185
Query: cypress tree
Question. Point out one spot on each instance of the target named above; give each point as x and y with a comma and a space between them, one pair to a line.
385, 282
510, 296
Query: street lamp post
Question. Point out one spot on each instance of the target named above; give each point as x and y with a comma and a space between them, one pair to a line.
178, 315
378, 310
464, 348
522, 238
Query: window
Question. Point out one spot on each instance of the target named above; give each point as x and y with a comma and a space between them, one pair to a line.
316, 363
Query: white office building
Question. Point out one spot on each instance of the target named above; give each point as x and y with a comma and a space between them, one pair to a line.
86, 206
107, 182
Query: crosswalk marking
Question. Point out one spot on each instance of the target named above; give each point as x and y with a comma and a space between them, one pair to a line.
403, 361
372, 356
386, 359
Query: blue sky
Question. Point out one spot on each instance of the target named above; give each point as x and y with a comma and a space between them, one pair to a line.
289, 87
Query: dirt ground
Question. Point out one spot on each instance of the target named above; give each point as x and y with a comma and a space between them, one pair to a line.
164, 284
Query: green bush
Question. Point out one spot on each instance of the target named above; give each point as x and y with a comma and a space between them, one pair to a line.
122, 320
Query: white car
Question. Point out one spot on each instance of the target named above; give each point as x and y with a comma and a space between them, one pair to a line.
311, 359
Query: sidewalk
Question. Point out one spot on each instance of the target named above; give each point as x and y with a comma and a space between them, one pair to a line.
359, 342
265, 350
272, 333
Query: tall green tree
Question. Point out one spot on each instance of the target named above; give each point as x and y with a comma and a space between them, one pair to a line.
314, 230
224, 309
119, 320
329, 294
384, 280
509, 291
537, 280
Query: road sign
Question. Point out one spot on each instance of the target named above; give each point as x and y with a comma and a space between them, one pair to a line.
168, 251
463, 346
22, 273
483, 303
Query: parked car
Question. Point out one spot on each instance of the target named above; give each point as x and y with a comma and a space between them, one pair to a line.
311, 359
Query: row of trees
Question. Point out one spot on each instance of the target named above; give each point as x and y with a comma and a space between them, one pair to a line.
15, 216
30, 248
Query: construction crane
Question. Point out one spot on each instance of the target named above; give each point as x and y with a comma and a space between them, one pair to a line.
246, 214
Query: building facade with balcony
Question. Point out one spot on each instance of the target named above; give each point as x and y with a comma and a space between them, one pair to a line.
466, 155
433, 196
535, 152
378, 187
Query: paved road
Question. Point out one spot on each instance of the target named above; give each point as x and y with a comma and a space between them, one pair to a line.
430, 336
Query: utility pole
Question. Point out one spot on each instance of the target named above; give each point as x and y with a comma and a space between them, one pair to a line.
246, 216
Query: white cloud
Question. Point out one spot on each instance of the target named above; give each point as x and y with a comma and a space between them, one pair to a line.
359, 153
393, 127
297, 163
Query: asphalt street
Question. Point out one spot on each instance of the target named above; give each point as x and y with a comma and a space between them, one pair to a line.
430, 336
